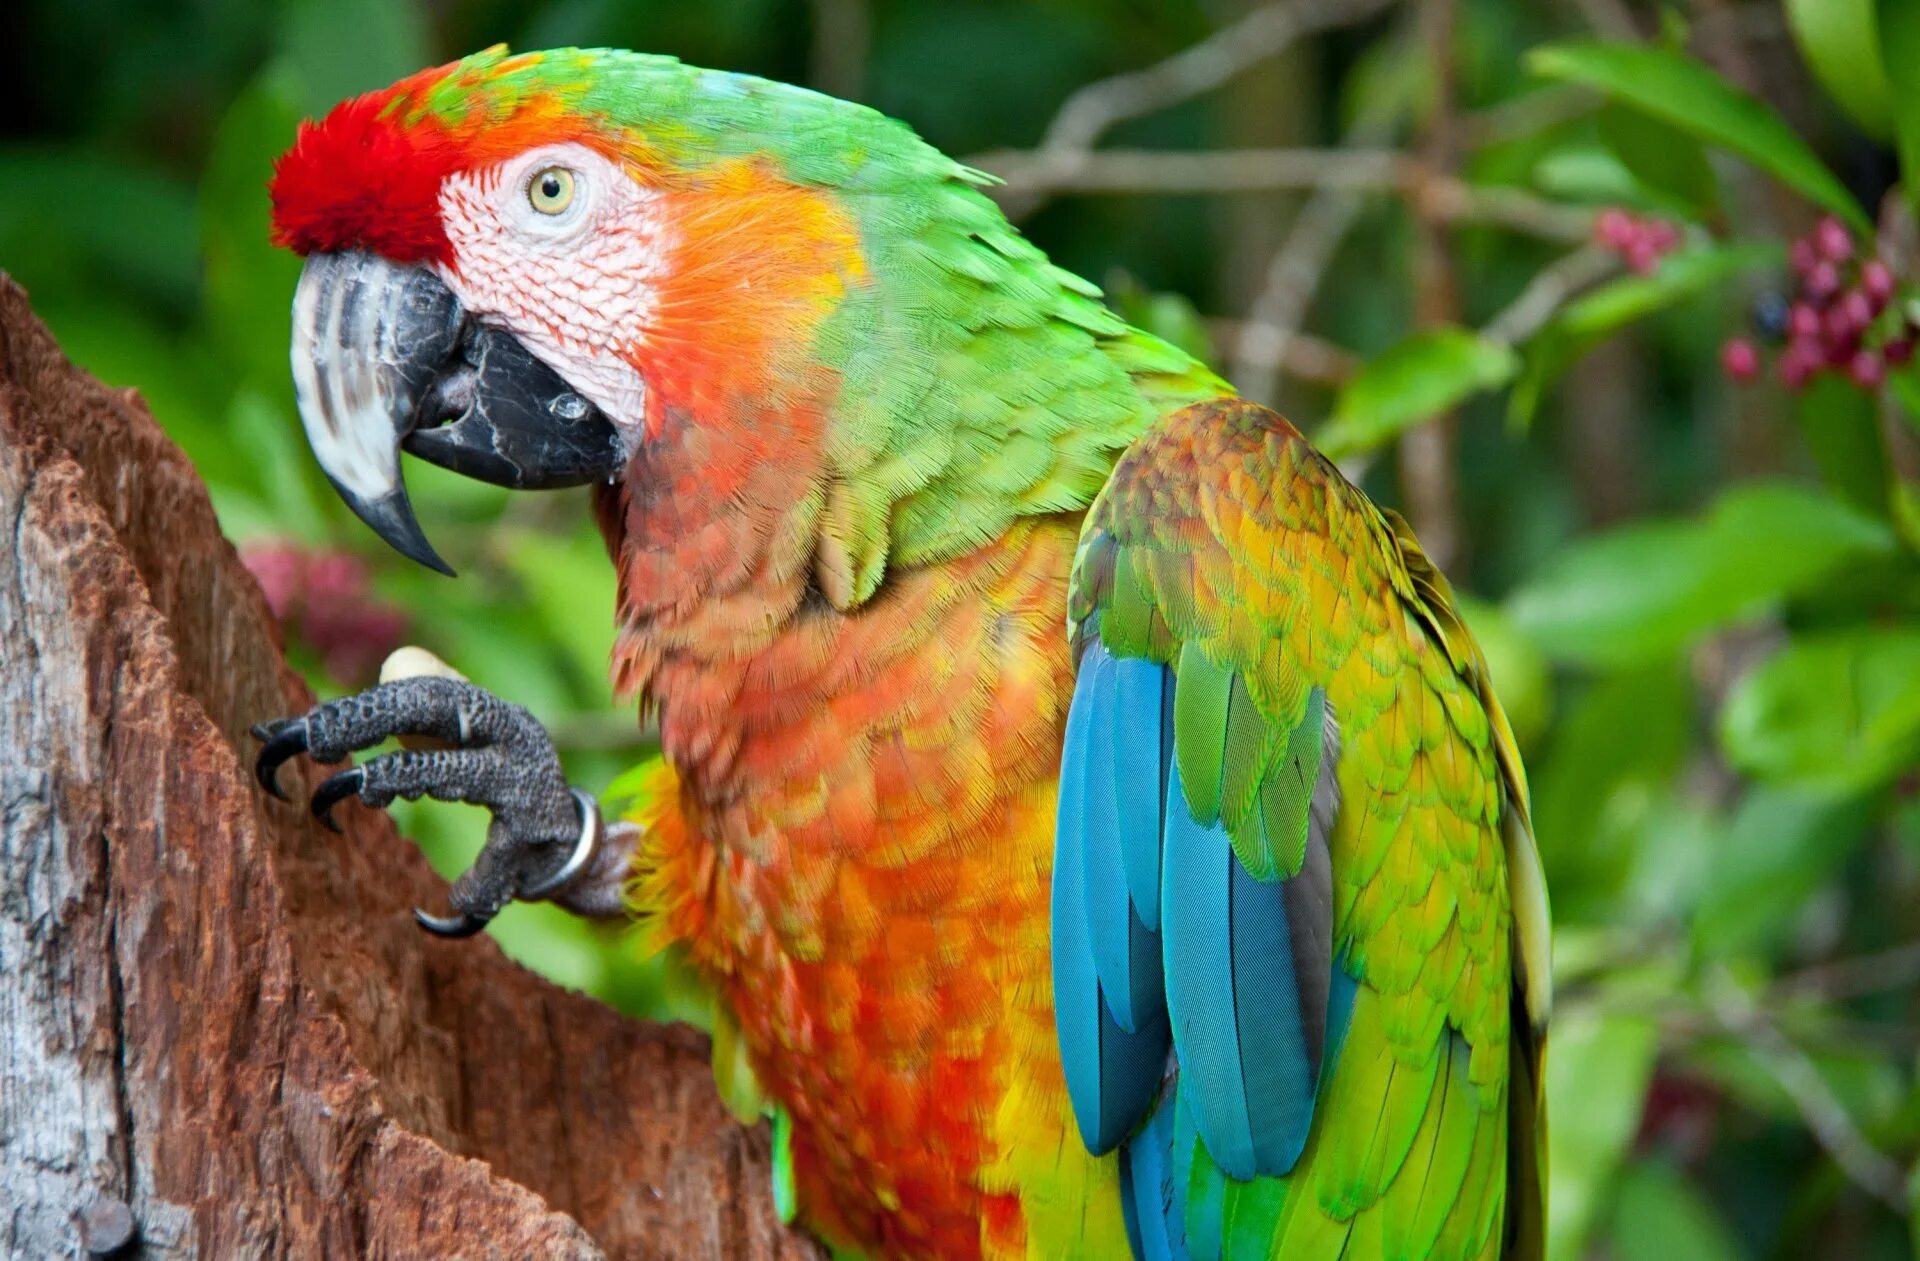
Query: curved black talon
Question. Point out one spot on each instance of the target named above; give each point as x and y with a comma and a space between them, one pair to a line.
465, 924
333, 790
282, 740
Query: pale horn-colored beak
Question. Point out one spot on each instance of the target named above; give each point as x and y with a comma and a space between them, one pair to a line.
384, 357
369, 340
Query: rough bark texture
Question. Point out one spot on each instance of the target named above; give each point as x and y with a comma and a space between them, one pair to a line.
220, 1015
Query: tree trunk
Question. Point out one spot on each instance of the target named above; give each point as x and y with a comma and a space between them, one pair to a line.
220, 1032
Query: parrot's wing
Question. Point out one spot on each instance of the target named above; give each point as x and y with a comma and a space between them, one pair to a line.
1293, 850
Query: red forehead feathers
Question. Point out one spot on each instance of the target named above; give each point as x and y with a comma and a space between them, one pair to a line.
368, 175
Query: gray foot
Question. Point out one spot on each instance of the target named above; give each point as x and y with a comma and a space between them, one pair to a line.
544, 835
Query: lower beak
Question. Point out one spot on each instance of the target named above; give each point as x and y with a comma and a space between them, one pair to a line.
384, 357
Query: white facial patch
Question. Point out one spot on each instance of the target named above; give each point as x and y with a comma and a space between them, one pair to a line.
579, 288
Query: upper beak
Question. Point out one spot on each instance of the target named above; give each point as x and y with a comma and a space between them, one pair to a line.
384, 357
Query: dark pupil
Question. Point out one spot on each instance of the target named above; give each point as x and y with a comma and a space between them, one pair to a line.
550, 186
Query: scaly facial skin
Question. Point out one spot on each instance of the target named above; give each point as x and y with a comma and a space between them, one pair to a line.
575, 276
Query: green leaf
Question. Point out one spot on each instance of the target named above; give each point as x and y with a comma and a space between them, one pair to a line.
1596, 796
1842, 428
1431, 372
1169, 316
1681, 91
1662, 158
1593, 317
1658, 1212
1642, 592
1840, 43
1899, 23
1597, 1079
1779, 846
1836, 712
571, 583
117, 225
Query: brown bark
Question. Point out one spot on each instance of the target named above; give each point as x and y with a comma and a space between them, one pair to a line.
219, 1015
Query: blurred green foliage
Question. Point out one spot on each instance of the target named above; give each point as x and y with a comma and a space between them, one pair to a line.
1701, 604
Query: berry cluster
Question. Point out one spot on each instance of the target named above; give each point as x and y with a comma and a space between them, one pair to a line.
322, 598
1641, 242
1836, 320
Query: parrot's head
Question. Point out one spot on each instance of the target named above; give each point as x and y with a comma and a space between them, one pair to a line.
522, 267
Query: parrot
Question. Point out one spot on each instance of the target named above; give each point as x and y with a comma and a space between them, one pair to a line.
1089, 811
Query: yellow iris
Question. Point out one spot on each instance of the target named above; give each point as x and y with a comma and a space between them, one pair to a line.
551, 190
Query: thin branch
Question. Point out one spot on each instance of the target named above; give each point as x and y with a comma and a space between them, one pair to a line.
1894, 969
1550, 289
1297, 267
1455, 201
1609, 18
1214, 171
1293, 278
1091, 111
1308, 358
1263, 33
1030, 174
837, 56
1525, 115
1427, 451
1864, 1164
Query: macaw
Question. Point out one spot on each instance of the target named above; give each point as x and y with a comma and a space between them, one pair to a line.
1090, 811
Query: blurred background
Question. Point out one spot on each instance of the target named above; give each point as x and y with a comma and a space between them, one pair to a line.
1611, 298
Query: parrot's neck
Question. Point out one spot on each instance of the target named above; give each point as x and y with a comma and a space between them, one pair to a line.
849, 402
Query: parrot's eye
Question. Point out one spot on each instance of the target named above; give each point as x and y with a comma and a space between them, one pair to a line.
550, 191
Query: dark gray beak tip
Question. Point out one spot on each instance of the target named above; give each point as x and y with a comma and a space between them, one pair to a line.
391, 517
384, 359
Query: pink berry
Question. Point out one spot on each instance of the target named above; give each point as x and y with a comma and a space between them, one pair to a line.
1740, 360
1831, 238
1849, 315
1823, 281
1803, 321
1642, 255
280, 569
1802, 255
1664, 235
1867, 370
335, 576
1613, 228
1795, 371
1876, 281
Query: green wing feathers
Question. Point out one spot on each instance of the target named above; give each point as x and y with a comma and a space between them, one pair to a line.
1328, 694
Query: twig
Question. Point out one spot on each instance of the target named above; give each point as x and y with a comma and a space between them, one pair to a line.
837, 57
1892, 969
1864, 1164
1308, 358
1609, 18
1265, 32
1214, 171
1295, 271
1030, 174
1525, 115
1550, 289
1427, 450
1455, 201
1268, 31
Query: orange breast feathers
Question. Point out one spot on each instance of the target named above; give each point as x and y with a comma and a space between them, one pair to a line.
866, 883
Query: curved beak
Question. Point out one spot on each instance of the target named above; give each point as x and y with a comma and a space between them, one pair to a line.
384, 358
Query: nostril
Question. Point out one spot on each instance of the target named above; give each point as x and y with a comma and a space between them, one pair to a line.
450, 397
